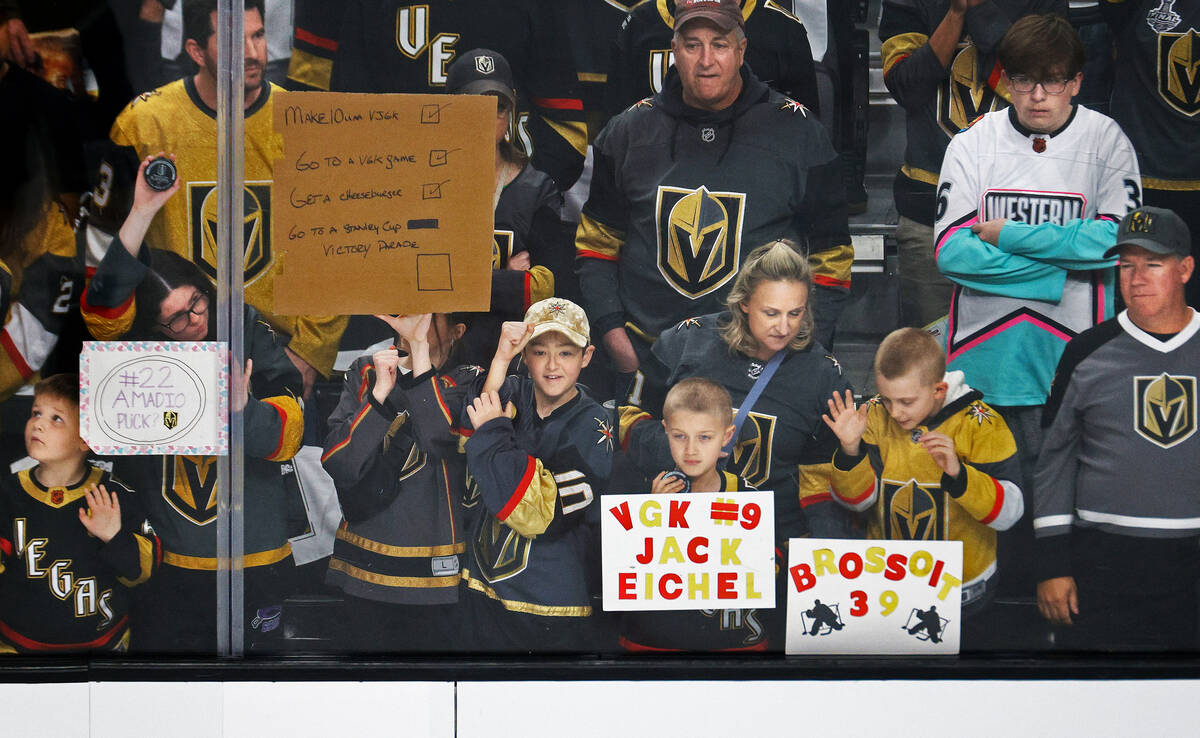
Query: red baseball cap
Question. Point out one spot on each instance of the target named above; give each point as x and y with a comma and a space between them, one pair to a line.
727, 14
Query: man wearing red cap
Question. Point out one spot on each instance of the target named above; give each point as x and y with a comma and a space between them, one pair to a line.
689, 181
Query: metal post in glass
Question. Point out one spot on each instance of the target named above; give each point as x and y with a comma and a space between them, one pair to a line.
230, 258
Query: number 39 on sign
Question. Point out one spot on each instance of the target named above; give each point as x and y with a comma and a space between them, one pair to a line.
874, 597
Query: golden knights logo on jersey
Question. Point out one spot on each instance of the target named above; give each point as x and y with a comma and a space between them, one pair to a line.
502, 246
913, 512
751, 456
1179, 70
190, 486
699, 238
1165, 408
964, 97
413, 40
256, 227
501, 551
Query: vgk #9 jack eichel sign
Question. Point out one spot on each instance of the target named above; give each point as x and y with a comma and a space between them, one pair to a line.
693, 551
874, 597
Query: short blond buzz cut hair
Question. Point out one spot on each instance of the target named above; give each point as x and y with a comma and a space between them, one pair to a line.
699, 395
911, 349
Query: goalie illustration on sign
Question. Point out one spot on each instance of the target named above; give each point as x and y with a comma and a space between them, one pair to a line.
825, 619
928, 621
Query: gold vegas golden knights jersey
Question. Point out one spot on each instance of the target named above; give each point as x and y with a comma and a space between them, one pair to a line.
173, 119
908, 496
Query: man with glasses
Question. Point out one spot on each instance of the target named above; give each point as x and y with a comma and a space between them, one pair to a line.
1028, 202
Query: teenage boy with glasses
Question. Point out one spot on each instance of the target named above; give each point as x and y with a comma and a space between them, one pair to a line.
1028, 202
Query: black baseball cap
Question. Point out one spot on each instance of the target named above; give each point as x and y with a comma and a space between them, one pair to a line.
480, 71
1154, 229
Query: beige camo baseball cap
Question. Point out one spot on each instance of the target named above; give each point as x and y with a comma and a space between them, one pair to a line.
557, 314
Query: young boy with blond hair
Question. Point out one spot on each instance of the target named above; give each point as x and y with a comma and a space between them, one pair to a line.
698, 418
928, 459
70, 542
539, 450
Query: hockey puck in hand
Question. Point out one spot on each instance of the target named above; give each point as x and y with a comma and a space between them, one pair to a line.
160, 174
687, 483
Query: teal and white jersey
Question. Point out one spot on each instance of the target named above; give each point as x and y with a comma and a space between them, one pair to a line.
1017, 303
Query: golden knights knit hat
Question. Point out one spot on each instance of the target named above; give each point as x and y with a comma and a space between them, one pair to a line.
1154, 229
727, 14
563, 316
479, 71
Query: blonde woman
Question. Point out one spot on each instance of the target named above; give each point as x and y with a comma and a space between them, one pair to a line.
782, 445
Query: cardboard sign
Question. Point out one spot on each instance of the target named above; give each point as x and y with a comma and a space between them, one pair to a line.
873, 597
384, 202
141, 397
694, 551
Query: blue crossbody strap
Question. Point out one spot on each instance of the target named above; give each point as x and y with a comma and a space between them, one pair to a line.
752, 397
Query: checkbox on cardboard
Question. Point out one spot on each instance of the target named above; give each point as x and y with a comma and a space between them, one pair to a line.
438, 157
433, 273
431, 114
432, 190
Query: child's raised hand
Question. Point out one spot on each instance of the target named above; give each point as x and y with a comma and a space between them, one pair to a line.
487, 407
662, 486
941, 447
846, 422
387, 364
514, 334
103, 515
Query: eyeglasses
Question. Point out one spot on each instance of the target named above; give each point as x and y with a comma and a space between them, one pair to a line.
1021, 83
180, 320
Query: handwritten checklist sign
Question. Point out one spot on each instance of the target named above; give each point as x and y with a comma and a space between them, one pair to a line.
688, 551
143, 397
384, 202
874, 597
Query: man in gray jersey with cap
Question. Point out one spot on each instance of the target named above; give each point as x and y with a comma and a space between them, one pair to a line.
1117, 494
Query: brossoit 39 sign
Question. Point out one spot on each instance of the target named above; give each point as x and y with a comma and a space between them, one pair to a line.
146, 397
873, 597
688, 551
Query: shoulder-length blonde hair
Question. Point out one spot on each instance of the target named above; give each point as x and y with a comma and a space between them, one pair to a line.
777, 261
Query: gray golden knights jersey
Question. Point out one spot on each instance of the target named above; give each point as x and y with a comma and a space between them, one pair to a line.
1156, 91
1121, 444
939, 102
